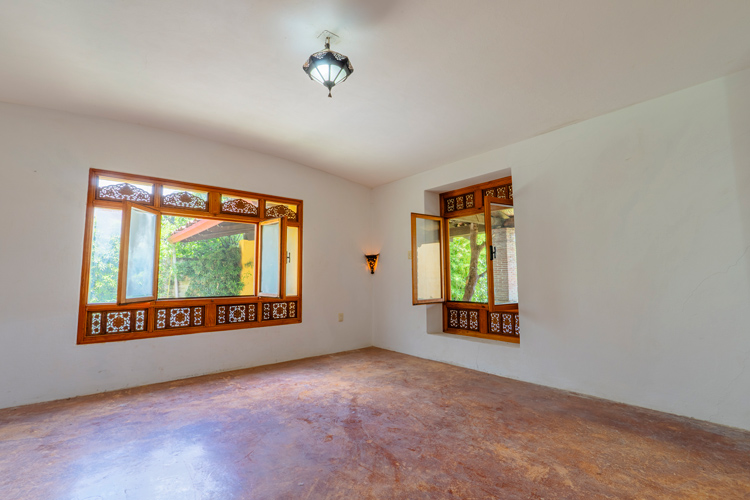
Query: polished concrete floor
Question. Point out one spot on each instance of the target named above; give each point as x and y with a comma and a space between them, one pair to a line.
367, 424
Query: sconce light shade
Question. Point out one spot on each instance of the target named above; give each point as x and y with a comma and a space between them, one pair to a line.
372, 262
327, 67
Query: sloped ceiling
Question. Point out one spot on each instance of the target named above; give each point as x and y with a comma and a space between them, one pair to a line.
435, 81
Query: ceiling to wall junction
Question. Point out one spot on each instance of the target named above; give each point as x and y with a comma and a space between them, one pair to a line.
434, 81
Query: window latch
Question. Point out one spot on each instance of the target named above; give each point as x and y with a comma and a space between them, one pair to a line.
288, 258
493, 252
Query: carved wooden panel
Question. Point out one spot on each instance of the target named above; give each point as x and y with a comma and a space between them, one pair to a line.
273, 211
236, 313
470, 200
113, 322
125, 192
453, 318
495, 323
505, 323
505, 192
280, 310
140, 321
266, 311
179, 317
95, 323
238, 206
464, 319
461, 202
184, 199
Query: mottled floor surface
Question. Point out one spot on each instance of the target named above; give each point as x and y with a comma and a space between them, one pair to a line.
359, 425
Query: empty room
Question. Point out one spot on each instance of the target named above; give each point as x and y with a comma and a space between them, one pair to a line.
268, 250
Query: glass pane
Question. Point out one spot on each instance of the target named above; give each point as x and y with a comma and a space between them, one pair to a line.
206, 258
428, 259
270, 265
468, 262
105, 256
504, 268
292, 259
139, 281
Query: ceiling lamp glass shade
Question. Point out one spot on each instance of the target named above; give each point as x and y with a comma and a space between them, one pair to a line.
327, 67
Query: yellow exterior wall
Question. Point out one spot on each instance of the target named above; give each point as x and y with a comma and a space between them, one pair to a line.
247, 275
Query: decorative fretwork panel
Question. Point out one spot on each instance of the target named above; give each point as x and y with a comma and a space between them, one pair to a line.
238, 206
140, 321
114, 322
474, 320
280, 310
184, 199
266, 311
495, 323
273, 211
179, 317
236, 313
470, 200
506, 319
464, 319
118, 322
453, 318
503, 192
461, 202
505, 323
95, 323
125, 192
161, 319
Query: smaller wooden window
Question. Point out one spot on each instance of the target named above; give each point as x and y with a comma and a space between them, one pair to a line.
466, 258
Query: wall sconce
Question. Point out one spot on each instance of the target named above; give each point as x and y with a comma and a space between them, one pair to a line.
372, 262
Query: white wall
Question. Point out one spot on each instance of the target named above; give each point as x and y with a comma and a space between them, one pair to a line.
633, 237
44, 162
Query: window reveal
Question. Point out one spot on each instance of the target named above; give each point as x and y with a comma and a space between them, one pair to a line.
466, 259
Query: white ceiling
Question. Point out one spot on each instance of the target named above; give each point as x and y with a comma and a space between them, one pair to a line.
435, 81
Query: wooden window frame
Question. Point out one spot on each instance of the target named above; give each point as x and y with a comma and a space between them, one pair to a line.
474, 319
144, 317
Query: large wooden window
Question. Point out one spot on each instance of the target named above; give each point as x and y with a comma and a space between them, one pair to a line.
164, 257
466, 259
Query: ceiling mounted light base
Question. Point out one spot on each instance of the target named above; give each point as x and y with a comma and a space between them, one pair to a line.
327, 67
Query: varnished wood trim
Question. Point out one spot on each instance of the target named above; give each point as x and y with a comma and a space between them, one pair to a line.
414, 265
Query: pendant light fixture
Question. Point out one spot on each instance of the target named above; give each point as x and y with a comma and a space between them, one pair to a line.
327, 67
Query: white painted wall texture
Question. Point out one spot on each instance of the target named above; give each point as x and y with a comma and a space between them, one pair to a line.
633, 237
44, 161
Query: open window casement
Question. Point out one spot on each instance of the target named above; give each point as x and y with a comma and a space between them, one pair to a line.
501, 252
139, 254
427, 257
272, 255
